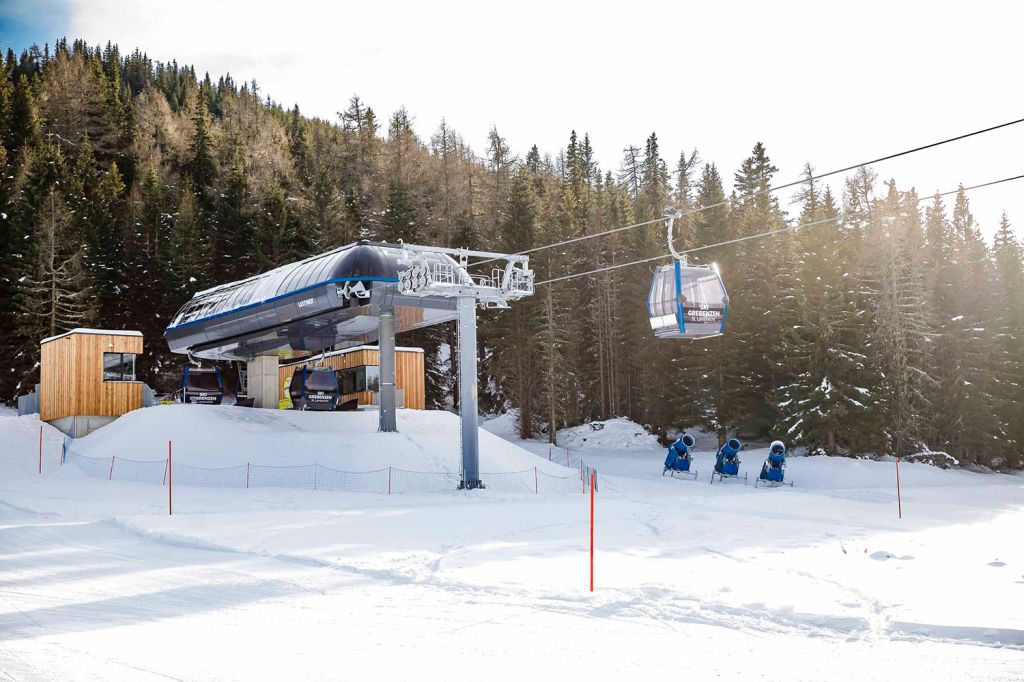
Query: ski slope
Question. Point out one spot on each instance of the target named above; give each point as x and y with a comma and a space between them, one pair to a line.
699, 581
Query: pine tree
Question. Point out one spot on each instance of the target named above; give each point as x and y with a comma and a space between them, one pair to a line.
760, 313
235, 234
822, 405
894, 290
965, 422
53, 296
200, 167
513, 334
1008, 317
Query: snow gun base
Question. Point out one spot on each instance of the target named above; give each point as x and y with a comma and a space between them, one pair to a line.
687, 474
761, 483
722, 477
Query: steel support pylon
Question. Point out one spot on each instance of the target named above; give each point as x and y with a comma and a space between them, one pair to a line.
386, 337
468, 393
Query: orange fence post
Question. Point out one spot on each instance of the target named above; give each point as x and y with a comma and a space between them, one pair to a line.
592, 476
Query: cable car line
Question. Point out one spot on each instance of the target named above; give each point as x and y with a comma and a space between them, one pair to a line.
770, 190
760, 235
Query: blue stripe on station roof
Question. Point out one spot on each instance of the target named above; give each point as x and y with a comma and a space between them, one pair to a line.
279, 297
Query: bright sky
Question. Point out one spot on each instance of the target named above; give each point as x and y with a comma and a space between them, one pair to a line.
830, 86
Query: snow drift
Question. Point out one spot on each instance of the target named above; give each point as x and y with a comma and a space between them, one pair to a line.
224, 436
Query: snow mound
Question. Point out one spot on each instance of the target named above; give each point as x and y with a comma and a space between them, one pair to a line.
506, 426
222, 436
611, 434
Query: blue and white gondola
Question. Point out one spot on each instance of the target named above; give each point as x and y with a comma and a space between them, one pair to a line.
686, 301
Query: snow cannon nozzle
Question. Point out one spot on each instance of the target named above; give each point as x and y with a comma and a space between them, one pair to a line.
688, 440
731, 448
778, 447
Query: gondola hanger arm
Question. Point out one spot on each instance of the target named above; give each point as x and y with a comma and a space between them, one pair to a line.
671, 215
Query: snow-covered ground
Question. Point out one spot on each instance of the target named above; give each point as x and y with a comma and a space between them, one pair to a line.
224, 436
694, 581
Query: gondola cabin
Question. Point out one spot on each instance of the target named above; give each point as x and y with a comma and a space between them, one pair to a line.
358, 373
687, 302
314, 388
87, 378
202, 386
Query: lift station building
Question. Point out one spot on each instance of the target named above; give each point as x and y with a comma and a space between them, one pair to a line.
353, 296
87, 378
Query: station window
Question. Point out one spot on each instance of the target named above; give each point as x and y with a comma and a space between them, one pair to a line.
119, 366
359, 379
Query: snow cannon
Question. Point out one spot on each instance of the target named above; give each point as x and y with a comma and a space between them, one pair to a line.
727, 461
773, 471
678, 459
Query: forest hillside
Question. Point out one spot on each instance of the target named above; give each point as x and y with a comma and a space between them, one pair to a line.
887, 326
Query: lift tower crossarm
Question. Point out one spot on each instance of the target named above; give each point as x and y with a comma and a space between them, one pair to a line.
509, 283
505, 284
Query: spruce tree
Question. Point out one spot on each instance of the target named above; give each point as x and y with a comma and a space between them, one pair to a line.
1008, 318
822, 405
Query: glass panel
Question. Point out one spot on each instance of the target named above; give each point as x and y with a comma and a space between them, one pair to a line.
372, 378
702, 289
352, 380
119, 366
663, 292
320, 380
203, 380
322, 271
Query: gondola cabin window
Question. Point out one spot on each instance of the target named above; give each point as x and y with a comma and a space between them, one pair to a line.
119, 366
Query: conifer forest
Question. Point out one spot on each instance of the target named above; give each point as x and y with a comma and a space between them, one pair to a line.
887, 325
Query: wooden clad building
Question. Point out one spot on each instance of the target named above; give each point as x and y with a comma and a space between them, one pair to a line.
357, 370
87, 378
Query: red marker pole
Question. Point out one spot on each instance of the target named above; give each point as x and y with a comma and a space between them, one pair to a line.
592, 532
40, 449
170, 478
899, 502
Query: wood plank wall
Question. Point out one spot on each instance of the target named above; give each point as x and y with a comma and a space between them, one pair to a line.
71, 377
409, 374
57, 379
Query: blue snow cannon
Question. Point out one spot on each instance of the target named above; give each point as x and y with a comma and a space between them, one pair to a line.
678, 459
727, 461
773, 471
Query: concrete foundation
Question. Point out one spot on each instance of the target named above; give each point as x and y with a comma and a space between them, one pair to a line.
262, 378
80, 425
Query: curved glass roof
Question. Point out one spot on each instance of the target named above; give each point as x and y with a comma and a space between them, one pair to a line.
282, 281
362, 261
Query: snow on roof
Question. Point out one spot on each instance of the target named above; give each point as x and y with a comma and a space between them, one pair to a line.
299, 361
83, 330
